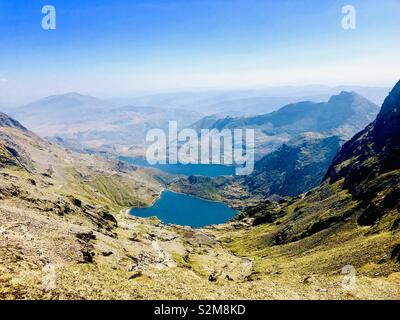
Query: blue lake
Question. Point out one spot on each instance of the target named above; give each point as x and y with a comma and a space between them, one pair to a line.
186, 210
208, 170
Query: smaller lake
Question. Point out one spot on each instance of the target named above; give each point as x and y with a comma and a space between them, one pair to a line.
185, 210
208, 170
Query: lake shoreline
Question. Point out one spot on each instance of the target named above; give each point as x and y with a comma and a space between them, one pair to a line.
181, 169
153, 201
184, 194
178, 208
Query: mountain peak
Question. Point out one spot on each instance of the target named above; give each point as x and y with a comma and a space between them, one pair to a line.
66, 101
387, 126
392, 102
373, 151
6, 121
70, 96
344, 96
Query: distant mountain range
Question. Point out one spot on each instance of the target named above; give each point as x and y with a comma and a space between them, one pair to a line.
296, 144
300, 141
342, 115
84, 122
67, 210
348, 109
61, 114
250, 102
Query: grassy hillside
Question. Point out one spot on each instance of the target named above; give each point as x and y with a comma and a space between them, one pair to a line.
61, 211
352, 218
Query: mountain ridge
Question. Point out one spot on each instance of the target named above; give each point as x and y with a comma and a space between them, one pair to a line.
65, 213
342, 115
6, 121
296, 167
347, 101
383, 132
356, 207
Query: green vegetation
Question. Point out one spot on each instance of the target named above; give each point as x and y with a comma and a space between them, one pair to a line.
66, 211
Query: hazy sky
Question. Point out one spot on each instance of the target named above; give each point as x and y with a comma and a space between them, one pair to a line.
111, 48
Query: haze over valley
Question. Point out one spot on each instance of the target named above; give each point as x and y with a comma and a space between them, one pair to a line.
80, 199
203, 149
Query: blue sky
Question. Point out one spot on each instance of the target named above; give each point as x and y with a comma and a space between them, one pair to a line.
111, 48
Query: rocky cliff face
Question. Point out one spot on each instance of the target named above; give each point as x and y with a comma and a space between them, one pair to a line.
369, 163
367, 168
356, 207
294, 168
6, 121
12, 154
373, 151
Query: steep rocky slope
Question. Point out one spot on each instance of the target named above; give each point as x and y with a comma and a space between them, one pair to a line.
59, 171
370, 162
64, 235
63, 214
294, 168
352, 218
6, 121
